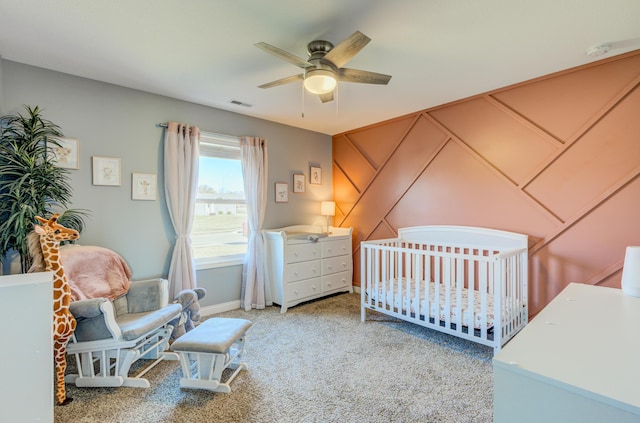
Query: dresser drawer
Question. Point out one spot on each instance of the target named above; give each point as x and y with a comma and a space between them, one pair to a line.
336, 264
336, 281
336, 247
299, 271
303, 289
302, 252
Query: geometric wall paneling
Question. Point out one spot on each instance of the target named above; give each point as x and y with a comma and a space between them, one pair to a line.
603, 230
345, 194
556, 158
564, 104
396, 175
612, 281
353, 163
592, 249
457, 188
508, 144
382, 231
601, 158
377, 142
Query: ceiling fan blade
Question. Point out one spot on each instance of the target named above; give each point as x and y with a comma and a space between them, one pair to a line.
343, 52
325, 98
288, 79
284, 55
363, 77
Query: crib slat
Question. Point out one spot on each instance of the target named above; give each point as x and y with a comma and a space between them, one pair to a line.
484, 284
471, 298
459, 262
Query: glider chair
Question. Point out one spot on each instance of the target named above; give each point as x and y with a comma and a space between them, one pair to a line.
118, 321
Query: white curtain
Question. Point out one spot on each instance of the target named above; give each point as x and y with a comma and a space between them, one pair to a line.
255, 287
181, 158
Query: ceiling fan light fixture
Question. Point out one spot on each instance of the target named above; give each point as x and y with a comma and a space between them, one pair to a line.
320, 81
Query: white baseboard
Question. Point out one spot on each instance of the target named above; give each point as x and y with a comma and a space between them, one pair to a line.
234, 305
219, 308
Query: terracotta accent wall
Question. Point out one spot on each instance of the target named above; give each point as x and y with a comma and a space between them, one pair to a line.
556, 158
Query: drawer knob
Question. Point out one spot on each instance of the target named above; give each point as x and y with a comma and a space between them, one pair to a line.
329, 284
295, 273
313, 270
329, 266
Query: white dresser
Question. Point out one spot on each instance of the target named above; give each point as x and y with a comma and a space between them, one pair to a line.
304, 264
578, 360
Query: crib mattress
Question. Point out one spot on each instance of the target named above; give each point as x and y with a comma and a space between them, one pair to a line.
408, 302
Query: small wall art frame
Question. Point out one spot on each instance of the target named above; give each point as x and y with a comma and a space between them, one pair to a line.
66, 153
298, 183
282, 192
315, 175
144, 186
106, 170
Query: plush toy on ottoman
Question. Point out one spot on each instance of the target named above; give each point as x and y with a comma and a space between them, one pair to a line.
188, 298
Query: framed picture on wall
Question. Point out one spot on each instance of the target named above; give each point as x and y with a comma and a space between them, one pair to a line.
143, 186
315, 175
282, 192
66, 153
106, 170
298, 183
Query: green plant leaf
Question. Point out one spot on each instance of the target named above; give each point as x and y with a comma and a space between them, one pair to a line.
30, 182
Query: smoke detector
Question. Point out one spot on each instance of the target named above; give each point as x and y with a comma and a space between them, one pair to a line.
598, 50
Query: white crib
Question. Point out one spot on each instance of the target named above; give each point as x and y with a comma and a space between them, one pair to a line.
465, 281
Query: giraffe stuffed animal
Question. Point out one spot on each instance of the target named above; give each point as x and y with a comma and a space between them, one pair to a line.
51, 233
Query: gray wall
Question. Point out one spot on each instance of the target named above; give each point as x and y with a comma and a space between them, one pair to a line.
1, 94
120, 122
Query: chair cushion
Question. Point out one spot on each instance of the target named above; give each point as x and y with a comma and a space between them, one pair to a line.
214, 335
91, 320
135, 325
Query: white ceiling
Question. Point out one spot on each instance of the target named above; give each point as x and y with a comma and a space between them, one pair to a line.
203, 51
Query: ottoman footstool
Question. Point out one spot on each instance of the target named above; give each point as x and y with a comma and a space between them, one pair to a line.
210, 348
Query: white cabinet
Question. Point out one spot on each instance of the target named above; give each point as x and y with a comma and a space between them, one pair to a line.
26, 308
303, 263
576, 361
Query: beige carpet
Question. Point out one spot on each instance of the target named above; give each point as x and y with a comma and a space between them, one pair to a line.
316, 363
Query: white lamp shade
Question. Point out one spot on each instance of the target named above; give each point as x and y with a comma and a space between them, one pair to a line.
631, 272
328, 208
320, 81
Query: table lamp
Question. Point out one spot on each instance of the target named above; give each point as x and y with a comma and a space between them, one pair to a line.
328, 208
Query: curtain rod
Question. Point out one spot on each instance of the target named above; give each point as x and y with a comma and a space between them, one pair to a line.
206, 133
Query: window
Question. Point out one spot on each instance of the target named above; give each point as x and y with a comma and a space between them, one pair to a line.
219, 233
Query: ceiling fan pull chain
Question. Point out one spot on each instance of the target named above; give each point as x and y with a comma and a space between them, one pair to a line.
302, 92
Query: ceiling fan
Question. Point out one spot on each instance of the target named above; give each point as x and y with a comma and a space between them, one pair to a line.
324, 68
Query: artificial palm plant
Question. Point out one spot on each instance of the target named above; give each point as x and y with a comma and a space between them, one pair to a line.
31, 184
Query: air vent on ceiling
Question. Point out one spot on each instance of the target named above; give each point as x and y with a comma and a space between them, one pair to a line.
240, 103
